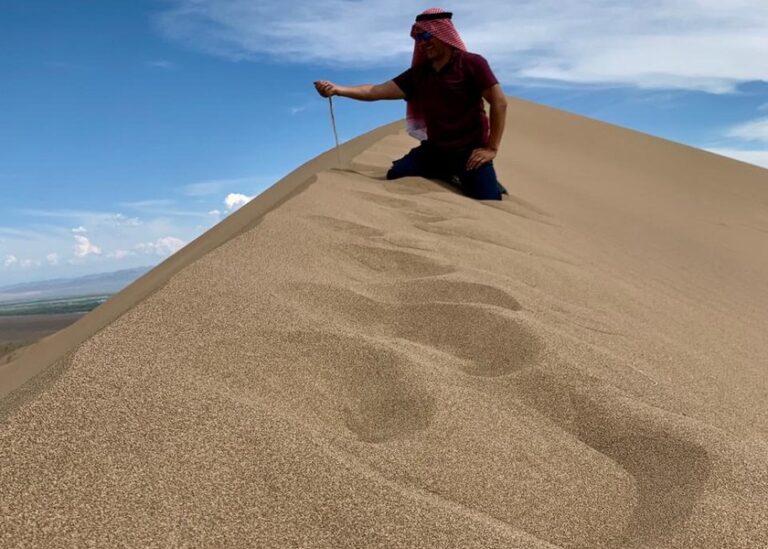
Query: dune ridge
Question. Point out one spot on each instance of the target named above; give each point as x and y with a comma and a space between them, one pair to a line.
358, 362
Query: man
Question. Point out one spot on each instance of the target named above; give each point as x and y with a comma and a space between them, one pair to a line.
444, 90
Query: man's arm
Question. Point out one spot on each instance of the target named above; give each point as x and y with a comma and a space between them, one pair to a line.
495, 96
366, 92
498, 115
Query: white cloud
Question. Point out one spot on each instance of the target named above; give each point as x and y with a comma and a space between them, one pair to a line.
236, 200
757, 130
79, 230
84, 247
249, 29
679, 44
756, 157
743, 140
162, 246
52, 259
215, 213
11, 261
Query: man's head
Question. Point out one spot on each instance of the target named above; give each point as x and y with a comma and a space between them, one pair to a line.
435, 35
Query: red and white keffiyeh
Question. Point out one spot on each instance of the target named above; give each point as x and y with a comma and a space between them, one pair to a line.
437, 22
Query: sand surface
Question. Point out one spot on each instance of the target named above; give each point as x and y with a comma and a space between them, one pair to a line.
354, 362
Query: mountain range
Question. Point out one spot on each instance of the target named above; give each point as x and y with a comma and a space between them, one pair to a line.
95, 284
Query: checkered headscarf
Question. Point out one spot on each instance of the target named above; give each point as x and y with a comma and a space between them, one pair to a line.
437, 22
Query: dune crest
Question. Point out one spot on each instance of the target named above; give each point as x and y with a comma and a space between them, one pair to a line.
355, 362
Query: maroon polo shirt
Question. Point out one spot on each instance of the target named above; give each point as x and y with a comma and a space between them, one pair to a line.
451, 99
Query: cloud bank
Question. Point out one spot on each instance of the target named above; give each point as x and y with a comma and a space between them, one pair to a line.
756, 130
704, 45
75, 242
162, 246
756, 157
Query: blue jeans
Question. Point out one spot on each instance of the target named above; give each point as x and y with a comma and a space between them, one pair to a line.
433, 163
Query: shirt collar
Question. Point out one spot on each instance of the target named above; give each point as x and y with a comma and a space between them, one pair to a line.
454, 55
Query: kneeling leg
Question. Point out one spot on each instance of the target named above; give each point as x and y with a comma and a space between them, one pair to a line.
412, 164
481, 183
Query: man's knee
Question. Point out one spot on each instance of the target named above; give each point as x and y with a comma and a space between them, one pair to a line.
481, 183
411, 164
394, 172
484, 194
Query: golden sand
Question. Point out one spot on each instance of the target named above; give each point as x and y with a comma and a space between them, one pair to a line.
354, 362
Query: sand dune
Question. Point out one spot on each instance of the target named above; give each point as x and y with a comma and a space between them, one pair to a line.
354, 362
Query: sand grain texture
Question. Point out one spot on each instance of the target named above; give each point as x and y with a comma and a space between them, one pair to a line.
354, 362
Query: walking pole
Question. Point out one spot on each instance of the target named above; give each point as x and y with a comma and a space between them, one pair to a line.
335, 134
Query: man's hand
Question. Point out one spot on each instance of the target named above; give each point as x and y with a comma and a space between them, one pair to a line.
480, 157
326, 89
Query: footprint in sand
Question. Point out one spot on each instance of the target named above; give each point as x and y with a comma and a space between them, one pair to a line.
379, 392
400, 240
346, 227
384, 403
389, 201
395, 262
669, 472
488, 343
471, 231
409, 188
446, 315
453, 291
411, 209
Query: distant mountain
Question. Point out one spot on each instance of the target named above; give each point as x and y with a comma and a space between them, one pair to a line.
96, 284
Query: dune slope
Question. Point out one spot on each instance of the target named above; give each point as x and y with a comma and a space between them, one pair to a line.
371, 363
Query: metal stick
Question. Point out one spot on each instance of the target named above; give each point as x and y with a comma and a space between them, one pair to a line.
335, 134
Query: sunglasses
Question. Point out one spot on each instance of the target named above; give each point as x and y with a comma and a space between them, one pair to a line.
423, 36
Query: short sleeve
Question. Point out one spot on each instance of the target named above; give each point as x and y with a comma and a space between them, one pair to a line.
482, 73
404, 81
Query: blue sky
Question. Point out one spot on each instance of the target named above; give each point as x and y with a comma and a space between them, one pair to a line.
128, 128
